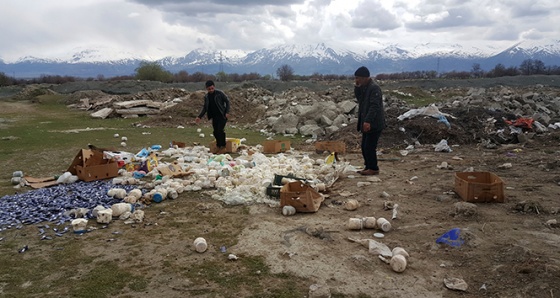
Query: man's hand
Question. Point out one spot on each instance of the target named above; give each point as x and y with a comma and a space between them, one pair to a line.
227, 115
197, 120
366, 127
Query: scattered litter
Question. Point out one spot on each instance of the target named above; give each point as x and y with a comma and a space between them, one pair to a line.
444, 165
398, 263
451, 237
383, 224
455, 284
351, 205
394, 216
506, 165
430, 110
200, 244
442, 146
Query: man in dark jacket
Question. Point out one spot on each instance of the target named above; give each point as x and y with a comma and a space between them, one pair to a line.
216, 104
371, 118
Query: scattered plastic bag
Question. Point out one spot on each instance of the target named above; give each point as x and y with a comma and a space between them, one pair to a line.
452, 238
443, 120
67, 178
442, 146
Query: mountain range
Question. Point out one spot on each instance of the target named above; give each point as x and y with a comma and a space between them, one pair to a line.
303, 59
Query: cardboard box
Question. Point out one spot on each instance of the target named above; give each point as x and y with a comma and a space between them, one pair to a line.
276, 146
478, 187
330, 146
301, 196
232, 145
90, 165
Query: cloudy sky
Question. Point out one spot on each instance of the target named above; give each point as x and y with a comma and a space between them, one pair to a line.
153, 29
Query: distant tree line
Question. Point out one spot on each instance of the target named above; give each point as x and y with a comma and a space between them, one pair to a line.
527, 67
152, 71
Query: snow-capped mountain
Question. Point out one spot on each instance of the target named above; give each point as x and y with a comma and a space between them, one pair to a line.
304, 59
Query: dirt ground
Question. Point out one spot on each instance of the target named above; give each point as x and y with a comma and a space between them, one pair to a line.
510, 249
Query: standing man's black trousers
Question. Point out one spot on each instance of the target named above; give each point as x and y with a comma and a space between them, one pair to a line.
219, 125
369, 149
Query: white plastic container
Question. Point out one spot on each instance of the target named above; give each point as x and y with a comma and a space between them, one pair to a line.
135, 193
351, 205
355, 224
105, 216
79, 225
400, 251
369, 222
200, 245
120, 208
398, 263
288, 210
383, 224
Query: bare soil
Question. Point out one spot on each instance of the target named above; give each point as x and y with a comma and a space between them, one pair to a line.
509, 251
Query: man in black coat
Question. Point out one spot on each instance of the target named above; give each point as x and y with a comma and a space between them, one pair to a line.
216, 105
371, 118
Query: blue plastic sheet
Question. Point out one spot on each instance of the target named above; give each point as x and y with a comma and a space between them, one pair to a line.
451, 237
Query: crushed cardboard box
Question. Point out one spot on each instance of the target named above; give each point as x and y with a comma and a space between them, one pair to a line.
90, 165
40, 182
301, 196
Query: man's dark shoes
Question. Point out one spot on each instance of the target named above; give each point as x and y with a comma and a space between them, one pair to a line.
369, 172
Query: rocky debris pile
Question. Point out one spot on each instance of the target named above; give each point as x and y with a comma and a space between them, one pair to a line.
475, 114
144, 103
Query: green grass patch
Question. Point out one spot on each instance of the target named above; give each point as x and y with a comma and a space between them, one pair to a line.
248, 274
104, 280
42, 137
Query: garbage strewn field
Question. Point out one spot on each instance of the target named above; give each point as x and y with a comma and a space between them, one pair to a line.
507, 249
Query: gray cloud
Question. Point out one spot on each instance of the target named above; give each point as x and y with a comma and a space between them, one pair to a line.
174, 27
373, 16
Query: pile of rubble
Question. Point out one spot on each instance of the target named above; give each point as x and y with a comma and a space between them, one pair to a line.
477, 114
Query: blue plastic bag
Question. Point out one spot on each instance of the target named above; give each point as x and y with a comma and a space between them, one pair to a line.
451, 237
